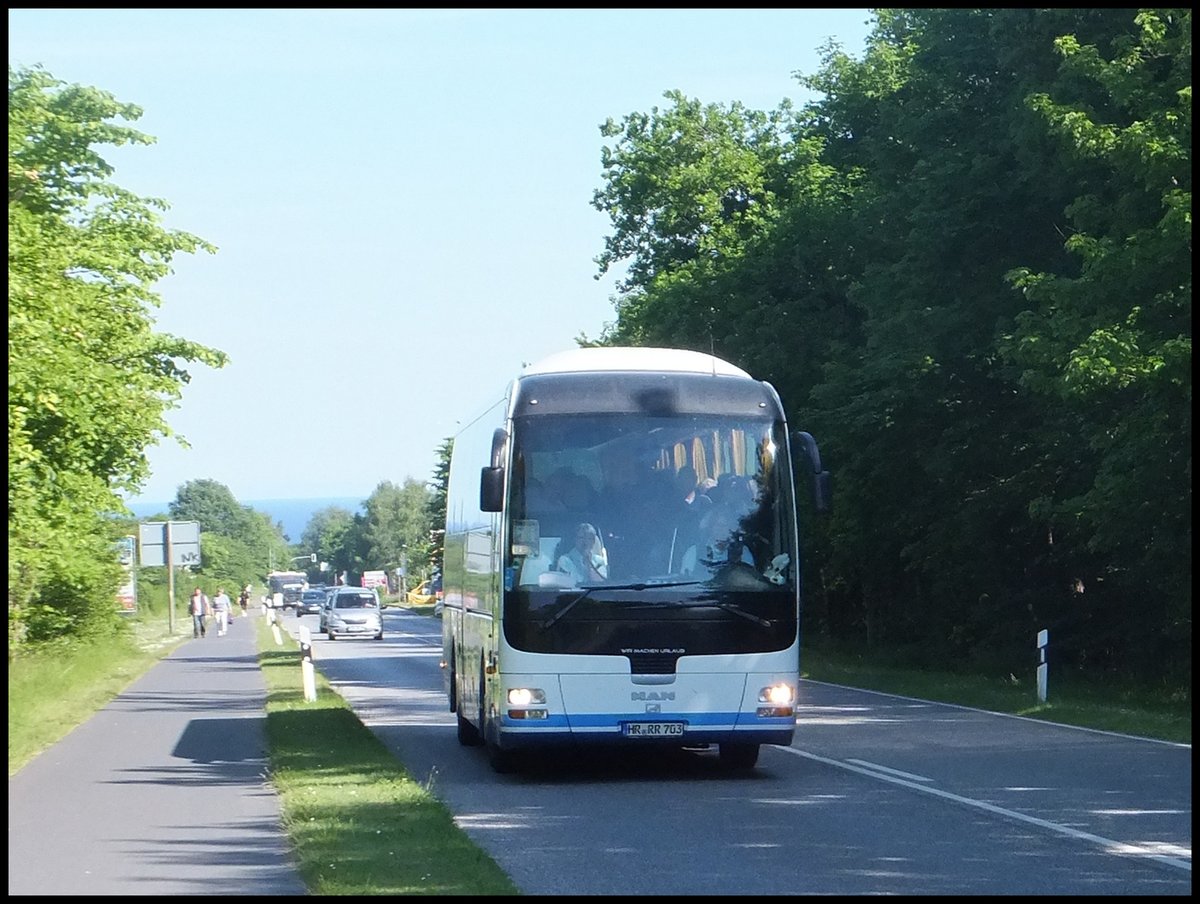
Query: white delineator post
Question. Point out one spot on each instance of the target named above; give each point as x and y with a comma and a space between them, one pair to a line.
275, 627
306, 665
1043, 639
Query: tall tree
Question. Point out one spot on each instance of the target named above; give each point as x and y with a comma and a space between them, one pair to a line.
971, 277
89, 379
394, 531
435, 512
238, 543
1110, 340
212, 504
1047, 150
330, 533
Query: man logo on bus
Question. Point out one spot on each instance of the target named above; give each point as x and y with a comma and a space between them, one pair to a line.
652, 695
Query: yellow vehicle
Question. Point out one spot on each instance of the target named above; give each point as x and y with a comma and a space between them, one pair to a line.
421, 595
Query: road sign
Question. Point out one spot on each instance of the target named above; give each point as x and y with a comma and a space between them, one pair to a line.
185, 542
127, 594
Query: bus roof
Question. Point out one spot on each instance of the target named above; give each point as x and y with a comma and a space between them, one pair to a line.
612, 358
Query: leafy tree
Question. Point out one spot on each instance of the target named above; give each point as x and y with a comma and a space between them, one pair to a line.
212, 504
237, 543
688, 184
394, 527
229, 563
89, 379
436, 510
968, 271
331, 534
686, 188
1109, 341
998, 149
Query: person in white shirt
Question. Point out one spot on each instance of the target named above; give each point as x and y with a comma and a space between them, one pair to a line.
221, 605
585, 560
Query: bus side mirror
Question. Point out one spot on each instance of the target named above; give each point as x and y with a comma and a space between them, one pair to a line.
823, 491
491, 479
822, 483
491, 489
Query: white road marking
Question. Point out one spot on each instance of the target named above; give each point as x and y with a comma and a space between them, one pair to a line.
1112, 847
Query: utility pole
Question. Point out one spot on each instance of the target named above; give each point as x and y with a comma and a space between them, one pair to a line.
403, 572
170, 581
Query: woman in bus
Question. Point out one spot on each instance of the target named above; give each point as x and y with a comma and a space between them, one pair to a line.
585, 560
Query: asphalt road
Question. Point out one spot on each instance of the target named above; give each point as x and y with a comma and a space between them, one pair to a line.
164, 792
877, 795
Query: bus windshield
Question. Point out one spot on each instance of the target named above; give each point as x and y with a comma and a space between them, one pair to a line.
636, 529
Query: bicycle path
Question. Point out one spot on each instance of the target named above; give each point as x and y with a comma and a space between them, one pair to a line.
162, 792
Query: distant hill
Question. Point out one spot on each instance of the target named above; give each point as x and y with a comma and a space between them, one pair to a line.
293, 514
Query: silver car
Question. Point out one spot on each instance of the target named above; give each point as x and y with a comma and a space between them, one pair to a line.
352, 612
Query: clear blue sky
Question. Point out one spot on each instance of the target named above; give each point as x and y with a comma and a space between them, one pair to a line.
401, 202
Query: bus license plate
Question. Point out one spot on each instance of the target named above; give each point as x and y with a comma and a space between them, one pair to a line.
652, 729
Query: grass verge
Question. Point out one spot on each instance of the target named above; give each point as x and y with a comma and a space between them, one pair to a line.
358, 823
1143, 712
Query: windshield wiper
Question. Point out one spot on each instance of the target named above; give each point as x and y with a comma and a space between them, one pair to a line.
648, 585
728, 607
568, 607
636, 585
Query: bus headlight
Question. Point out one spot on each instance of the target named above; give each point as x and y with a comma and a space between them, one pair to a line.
524, 696
779, 700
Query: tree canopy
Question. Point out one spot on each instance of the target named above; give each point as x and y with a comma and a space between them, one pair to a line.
90, 379
967, 269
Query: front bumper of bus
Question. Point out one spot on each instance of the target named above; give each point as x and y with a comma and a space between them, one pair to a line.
693, 709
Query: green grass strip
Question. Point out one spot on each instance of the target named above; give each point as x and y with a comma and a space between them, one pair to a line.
358, 822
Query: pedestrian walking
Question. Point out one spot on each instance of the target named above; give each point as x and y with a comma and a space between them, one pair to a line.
222, 605
200, 608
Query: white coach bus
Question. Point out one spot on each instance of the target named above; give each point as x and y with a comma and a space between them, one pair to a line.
622, 562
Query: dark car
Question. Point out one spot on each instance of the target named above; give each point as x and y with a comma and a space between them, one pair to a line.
311, 601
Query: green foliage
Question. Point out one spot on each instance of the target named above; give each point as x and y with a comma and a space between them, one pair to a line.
213, 505
435, 512
391, 529
394, 527
237, 543
331, 534
967, 269
1110, 341
358, 822
89, 379
689, 185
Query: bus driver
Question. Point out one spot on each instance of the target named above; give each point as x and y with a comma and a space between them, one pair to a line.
585, 560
